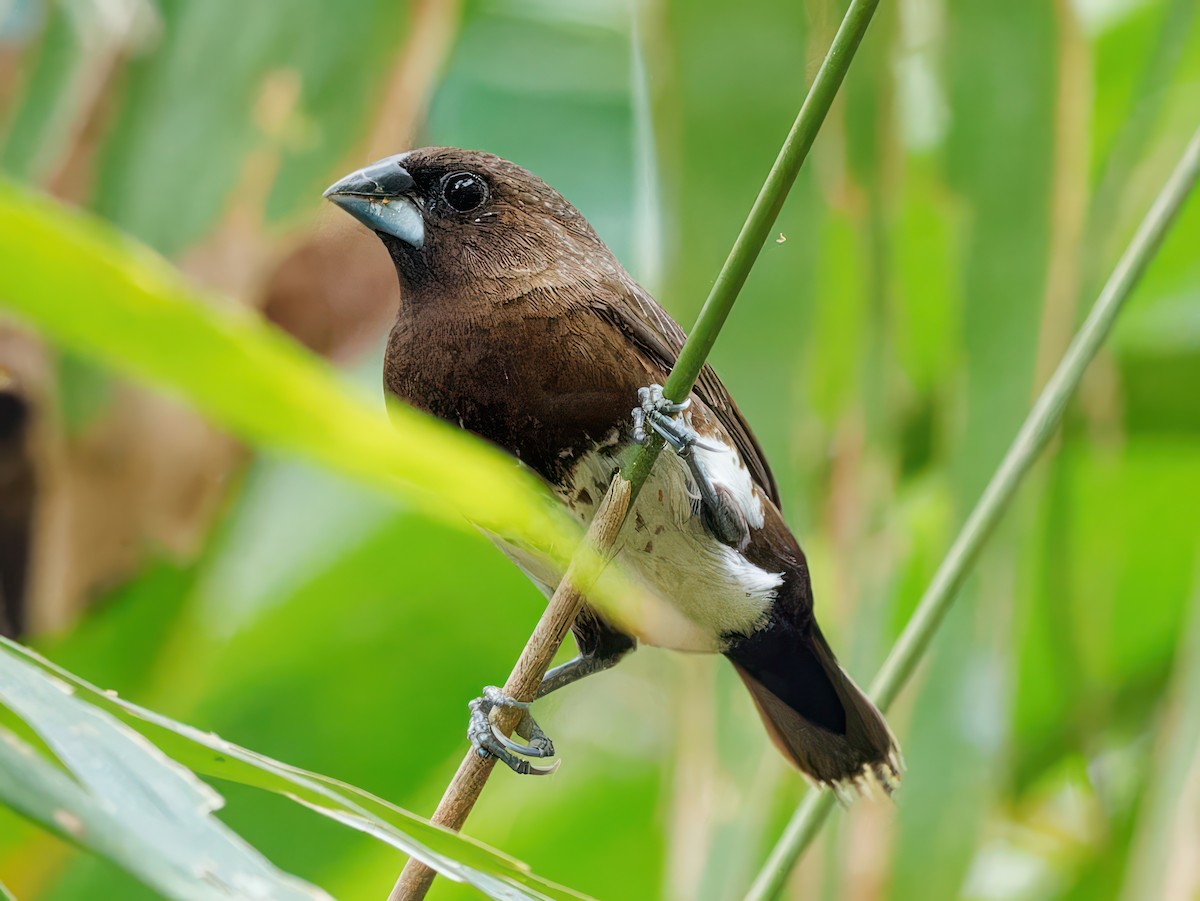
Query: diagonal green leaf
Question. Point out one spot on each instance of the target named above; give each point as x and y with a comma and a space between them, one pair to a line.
112, 299
458, 857
126, 802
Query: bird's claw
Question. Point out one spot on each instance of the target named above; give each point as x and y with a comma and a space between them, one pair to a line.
668, 419
651, 398
487, 739
539, 745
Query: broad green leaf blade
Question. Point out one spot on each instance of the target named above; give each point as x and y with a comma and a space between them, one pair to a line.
126, 802
455, 856
111, 299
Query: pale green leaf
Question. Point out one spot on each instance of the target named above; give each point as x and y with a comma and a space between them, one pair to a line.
113, 300
122, 799
453, 855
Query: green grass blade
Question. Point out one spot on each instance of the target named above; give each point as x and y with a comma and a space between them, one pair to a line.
1036, 432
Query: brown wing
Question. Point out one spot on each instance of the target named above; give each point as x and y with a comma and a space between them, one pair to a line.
660, 337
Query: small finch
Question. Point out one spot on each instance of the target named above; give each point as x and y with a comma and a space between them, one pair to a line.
517, 323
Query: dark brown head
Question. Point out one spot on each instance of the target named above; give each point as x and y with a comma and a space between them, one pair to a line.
453, 217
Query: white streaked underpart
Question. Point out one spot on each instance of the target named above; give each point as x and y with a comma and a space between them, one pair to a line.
709, 589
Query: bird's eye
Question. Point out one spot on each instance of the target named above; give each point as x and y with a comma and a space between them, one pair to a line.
464, 191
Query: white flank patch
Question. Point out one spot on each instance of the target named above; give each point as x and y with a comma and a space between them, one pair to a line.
726, 468
708, 588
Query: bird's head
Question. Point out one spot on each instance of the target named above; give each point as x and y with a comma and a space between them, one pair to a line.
453, 217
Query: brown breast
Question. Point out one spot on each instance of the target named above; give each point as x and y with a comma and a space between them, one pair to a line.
543, 379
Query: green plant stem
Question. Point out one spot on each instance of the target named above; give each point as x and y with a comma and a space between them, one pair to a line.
1035, 434
468, 782
761, 220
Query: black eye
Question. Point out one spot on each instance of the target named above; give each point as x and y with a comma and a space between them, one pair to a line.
464, 191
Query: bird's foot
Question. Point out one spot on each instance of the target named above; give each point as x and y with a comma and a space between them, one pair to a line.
665, 417
723, 517
487, 739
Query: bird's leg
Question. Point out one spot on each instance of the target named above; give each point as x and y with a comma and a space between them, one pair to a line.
487, 738
724, 518
578, 667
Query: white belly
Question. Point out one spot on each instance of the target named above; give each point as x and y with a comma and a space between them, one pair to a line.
707, 589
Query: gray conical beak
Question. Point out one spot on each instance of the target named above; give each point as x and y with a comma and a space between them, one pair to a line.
381, 197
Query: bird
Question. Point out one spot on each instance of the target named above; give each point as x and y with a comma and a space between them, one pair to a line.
518, 324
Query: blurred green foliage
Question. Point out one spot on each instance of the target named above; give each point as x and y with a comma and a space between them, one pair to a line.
984, 166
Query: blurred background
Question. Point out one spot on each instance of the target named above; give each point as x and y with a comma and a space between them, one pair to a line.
975, 183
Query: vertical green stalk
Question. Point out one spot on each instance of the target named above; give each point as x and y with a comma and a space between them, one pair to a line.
1035, 434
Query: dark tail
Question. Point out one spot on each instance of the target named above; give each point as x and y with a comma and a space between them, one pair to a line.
814, 712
